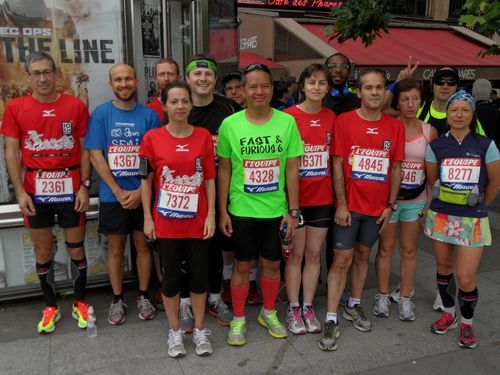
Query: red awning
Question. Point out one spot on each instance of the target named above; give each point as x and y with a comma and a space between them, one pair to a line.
430, 47
249, 58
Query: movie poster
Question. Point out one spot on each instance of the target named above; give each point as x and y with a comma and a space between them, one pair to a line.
151, 28
84, 37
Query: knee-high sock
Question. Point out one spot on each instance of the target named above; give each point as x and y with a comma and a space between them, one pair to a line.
45, 273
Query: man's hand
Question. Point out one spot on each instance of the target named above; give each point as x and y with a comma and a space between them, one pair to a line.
408, 71
26, 204
343, 216
133, 200
225, 225
82, 199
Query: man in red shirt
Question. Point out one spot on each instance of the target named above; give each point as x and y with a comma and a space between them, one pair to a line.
48, 128
368, 147
166, 71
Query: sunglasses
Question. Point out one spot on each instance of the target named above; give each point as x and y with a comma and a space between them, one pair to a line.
342, 66
449, 82
261, 67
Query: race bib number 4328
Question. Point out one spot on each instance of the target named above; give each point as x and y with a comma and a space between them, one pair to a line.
370, 164
124, 160
460, 173
53, 187
261, 176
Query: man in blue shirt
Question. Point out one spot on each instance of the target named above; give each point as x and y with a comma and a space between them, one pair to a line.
114, 137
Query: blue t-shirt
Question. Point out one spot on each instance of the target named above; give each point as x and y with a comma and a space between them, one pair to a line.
118, 133
472, 148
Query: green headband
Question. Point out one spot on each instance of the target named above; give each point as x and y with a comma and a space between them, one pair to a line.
201, 64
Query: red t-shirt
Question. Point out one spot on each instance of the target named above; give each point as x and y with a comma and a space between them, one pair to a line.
315, 182
181, 166
368, 149
48, 135
155, 105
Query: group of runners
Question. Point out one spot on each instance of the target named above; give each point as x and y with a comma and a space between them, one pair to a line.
216, 183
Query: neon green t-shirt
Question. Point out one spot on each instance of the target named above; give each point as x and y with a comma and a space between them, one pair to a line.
258, 155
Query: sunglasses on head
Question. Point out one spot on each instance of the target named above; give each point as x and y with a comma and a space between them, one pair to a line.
261, 67
449, 82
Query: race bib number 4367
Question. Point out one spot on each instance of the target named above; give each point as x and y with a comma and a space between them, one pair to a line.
261, 176
123, 160
370, 164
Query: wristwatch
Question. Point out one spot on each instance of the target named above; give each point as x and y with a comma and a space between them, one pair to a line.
392, 206
87, 183
294, 212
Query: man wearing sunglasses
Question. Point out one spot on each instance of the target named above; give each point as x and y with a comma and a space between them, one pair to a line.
444, 85
340, 99
258, 150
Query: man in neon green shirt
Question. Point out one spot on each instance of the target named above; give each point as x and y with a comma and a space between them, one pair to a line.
258, 151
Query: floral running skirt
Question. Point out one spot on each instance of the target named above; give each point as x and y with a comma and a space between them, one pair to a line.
457, 230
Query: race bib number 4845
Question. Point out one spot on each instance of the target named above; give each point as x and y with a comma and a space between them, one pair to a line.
460, 173
261, 176
123, 160
370, 164
53, 187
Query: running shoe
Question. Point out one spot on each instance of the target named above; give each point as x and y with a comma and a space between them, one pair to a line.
381, 305
226, 291
395, 294
176, 346
357, 316
254, 296
200, 340
438, 302
344, 299
467, 338
236, 334
81, 313
146, 308
273, 325
220, 311
295, 322
50, 316
116, 314
406, 310
446, 321
331, 332
186, 319
311, 322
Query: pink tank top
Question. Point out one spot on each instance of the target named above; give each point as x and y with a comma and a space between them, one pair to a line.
413, 167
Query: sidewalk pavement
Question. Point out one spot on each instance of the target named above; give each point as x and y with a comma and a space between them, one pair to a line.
138, 347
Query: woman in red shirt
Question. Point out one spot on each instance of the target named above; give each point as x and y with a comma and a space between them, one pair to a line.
179, 157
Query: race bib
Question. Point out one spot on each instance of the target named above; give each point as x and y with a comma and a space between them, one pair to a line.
261, 176
53, 187
412, 174
178, 201
314, 162
123, 160
460, 173
370, 164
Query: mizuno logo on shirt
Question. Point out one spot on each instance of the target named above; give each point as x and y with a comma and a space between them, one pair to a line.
371, 130
48, 113
315, 123
182, 148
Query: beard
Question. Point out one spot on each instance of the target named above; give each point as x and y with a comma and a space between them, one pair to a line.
125, 98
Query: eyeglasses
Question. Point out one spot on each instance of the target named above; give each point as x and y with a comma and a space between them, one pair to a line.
38, 73
342, 66
449, 82
261, 67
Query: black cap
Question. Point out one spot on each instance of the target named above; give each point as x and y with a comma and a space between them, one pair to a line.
230, 76
445, 71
